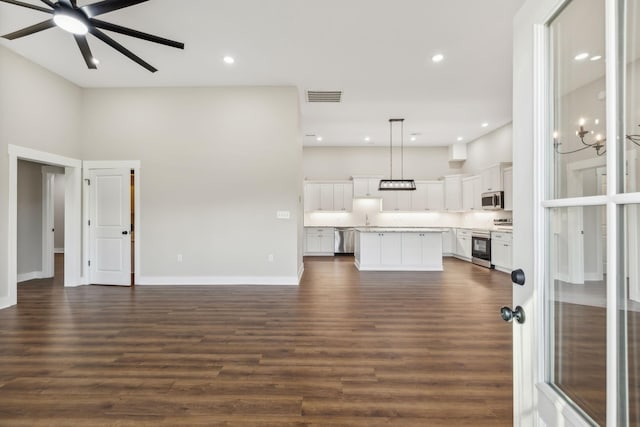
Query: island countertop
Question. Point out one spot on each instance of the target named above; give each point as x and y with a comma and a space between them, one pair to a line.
400, 230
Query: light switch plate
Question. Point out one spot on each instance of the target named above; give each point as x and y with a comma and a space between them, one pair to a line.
283, 215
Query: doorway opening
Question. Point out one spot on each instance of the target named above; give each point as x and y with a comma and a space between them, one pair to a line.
72, 171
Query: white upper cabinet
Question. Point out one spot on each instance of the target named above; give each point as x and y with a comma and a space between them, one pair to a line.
453, 193
366, 187
343, 197
428, 196
311, 197
492, 178
507, 180
471, 190
435, 196
328, 196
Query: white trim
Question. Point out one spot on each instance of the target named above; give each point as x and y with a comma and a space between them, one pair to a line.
300, 272
615, 328
575, 202
110, 164
48, 191
217, 280
58, 250
72, 222
23, 277
626, 198
318, 254
555, 410
136, 166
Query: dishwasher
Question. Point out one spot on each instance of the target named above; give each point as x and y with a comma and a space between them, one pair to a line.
344, 241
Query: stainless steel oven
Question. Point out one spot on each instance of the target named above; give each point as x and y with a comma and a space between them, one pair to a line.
481, 248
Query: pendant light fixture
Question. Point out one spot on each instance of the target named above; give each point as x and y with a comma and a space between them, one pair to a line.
396, 184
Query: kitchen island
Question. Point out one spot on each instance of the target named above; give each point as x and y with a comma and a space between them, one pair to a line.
398, 249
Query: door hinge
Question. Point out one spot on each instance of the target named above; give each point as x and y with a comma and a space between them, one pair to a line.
88, 181
89, 262
89, 223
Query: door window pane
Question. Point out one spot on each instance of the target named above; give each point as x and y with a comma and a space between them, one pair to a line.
630, 293
578, 93
631, 151
576, 306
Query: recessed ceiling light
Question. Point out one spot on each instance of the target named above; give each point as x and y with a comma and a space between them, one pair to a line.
581, 56
485, 124
319, 138
367, 139
596, 57
228, 60
460, 138
437, 58
414, 138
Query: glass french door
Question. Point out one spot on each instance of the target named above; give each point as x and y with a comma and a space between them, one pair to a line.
577, 212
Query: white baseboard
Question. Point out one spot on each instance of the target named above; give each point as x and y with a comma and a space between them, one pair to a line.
218, 280
23, 277
6, 302
300, 272
58, 251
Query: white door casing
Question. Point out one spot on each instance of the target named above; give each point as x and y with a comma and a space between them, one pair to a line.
110, 226
48, 192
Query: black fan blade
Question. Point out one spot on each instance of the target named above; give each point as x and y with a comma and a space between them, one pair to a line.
27, 5
134, 33
107, 6
30, 30
48, 3
85, 50
123, 50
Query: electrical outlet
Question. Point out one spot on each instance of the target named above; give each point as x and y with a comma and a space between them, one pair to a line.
271, 257
179, 257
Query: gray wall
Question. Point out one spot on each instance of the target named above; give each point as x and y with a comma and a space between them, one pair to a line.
217, 163
37, 110
29, 217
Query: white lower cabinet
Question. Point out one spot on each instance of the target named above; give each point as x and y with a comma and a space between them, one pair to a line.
319, 241
463, 244
501, 251
422, 250
381, 248
448, 242
398, 251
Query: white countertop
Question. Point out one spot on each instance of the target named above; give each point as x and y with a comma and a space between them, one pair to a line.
399, 230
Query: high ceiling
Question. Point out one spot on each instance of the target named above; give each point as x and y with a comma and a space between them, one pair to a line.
378, 52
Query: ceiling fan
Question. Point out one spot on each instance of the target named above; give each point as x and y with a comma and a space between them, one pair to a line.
80, 20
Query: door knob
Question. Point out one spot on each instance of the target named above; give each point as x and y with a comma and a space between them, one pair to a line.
125, 232
508, 315
517, 277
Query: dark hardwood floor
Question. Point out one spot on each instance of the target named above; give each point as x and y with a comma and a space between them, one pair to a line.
344, 349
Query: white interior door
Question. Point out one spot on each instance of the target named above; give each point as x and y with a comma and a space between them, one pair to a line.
110, 226
576, 74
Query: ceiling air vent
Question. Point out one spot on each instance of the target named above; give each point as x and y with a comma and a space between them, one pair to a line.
324, 96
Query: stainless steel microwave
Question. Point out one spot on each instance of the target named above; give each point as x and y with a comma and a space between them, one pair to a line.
493, 200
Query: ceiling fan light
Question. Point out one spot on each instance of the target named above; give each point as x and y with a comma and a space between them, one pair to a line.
70, 23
